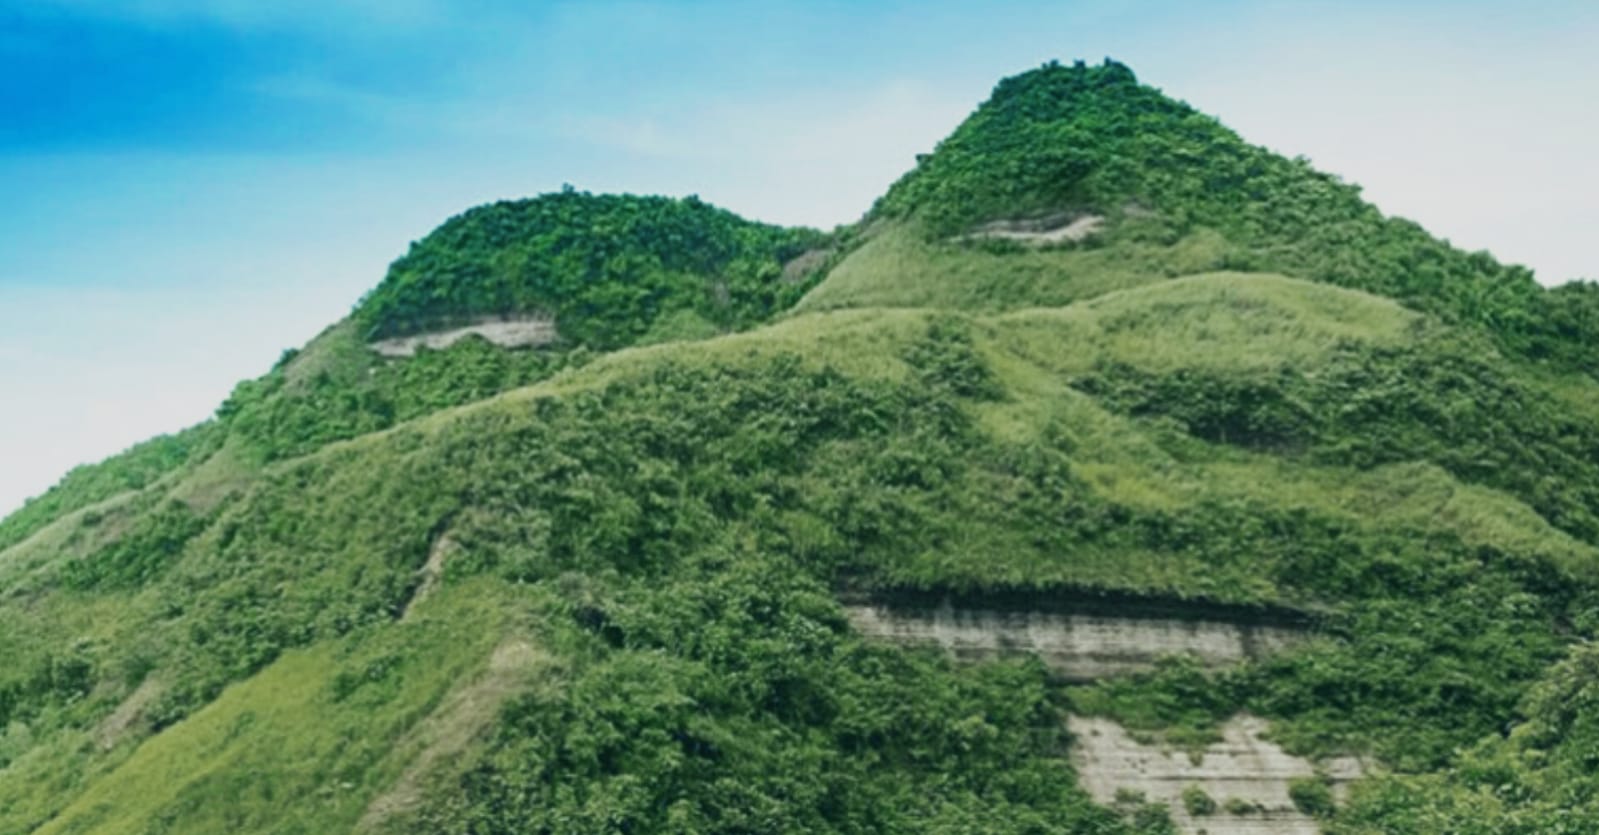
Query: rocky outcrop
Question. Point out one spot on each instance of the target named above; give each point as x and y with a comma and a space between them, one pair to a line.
800, 268
524, 332
1080, 641
1242, 771
1051, 229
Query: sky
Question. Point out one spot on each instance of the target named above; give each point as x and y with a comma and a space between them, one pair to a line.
187, 187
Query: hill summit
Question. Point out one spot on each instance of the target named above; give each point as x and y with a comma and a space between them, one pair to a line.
1170, 191
1111, 475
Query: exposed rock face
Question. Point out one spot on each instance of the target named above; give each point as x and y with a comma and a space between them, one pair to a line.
509, 333
1052, 229
1076, 645
1084, 640
1243, 766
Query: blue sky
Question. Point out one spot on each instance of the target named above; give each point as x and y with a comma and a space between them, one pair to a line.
189, 187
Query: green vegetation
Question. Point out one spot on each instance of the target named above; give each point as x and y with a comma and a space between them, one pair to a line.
1144, 816
1540, 777
89, 484
328, 738
896, 266
1313, 796
1437, 399
1240, 806
605, 267
612, 271
339, 389
593, 588
659, 491
767, 717
1198, 803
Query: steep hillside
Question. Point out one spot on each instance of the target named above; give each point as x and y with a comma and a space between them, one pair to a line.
1195, 466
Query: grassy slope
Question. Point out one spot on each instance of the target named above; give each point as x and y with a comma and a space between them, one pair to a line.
998, 277
1026, 482
310, 741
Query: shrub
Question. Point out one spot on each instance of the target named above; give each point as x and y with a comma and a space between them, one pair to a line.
1313, 796
1197, 802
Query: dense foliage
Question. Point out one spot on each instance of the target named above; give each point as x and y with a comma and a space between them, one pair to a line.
612, 270
605, 267
733, 699
1541, 778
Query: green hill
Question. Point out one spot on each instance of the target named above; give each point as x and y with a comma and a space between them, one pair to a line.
596, 586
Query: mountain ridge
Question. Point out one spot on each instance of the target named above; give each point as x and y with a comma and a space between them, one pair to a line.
666, 507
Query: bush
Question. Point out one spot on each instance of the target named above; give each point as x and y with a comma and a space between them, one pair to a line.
1313, 796
1197, 802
